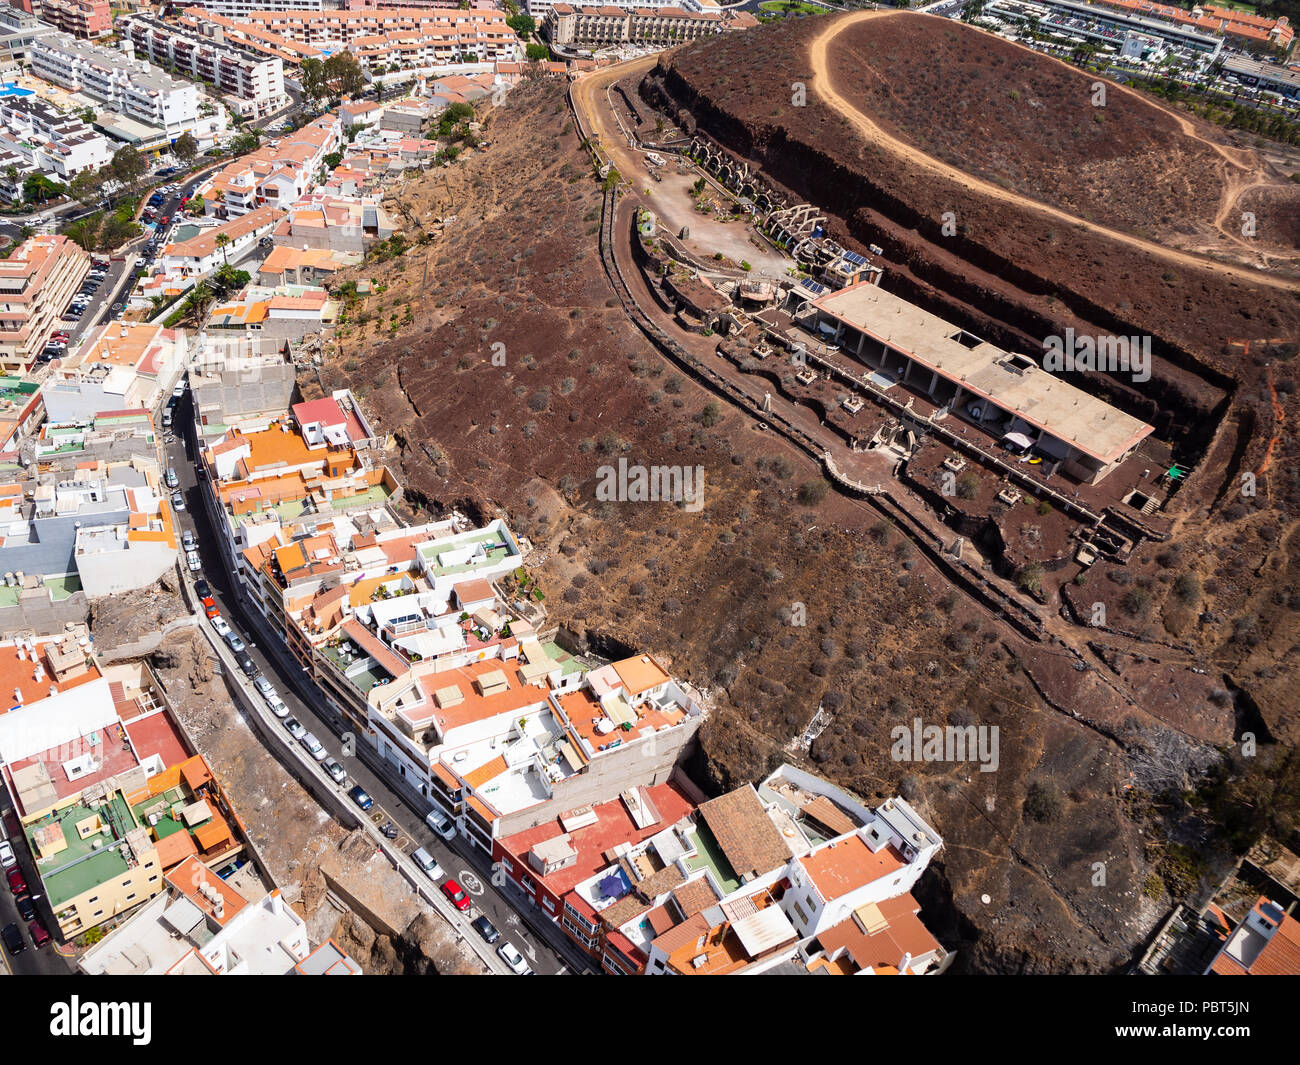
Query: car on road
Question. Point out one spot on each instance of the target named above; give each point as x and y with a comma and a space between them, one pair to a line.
486, 929
428, 863
7, 858
17, 882
39, 933
219, 623
178, 391
236, 644
208, 603
358, 795
189, 540
277, 705
295, 728
203, 589
514, 959
173, 481
455, 894
336, 771
26, 907
246, 664
178, 500
195, 563
264, 687
210, 610
439, 822
314, 747
14, 942
165, 220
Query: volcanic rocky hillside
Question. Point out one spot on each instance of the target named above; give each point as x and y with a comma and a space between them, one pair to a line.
515, 273
1026, 125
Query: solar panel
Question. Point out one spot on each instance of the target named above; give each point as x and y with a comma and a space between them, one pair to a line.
854, 257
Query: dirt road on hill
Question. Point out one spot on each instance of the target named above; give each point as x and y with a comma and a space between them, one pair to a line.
819, 58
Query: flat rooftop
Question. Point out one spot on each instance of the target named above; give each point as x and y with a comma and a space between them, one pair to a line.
1046, 402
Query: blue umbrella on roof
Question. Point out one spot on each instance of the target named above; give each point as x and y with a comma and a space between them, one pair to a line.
611, 886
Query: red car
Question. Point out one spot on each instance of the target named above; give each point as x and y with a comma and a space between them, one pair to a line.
39, 933
18, 883
210, 609
458, 897
164, 220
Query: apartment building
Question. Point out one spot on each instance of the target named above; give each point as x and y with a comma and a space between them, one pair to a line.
87, 19
607, 26
1242, 29
202, 925
18, 29
391, 36
37, 282
109, 796
241, 9
202, 254
287, 265
129, 86
794, 875
335, 223
36, 138
254, 84
117, 367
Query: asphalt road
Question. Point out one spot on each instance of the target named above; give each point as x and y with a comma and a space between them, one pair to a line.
31, 962
547, 948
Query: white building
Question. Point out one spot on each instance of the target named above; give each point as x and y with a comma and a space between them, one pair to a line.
128, 86
37, 138
254, 84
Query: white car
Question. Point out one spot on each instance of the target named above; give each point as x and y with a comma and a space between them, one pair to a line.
514, 959
314, 746
428, 863
219, 623
441, 825
277, 705
7, 859
195, 563
178, 500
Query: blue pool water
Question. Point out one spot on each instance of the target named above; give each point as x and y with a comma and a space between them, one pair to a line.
8, 88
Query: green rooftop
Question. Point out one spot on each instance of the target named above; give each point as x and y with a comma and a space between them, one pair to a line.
81, 865
710, 857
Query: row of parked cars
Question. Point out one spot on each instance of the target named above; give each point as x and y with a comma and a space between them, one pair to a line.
436, 820
26, 903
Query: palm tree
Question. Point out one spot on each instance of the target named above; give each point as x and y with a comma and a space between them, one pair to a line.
196, 303
223, 242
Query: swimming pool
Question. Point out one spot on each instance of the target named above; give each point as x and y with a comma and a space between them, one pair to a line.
8, 88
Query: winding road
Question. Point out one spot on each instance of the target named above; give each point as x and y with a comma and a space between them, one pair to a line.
819, 54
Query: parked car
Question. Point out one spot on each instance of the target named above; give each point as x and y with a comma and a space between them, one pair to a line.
189, 541
17, 882
178, 500
7, 859
455, 894
39, 933
179, 390
26, 907
203, 590
295, 728
358, 795
314, 747
514, 959
14, 942
439, 822
486, 929
210, 610
428, 863
173, 481
219, 623
336, 771
192, 559
236, 644
264, 687
277, 706
246, 664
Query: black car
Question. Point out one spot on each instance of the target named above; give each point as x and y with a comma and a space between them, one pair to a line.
202, 588
26, 907
246, 664
485, 928
14, 942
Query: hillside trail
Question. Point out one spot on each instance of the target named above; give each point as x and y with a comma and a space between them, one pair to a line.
818, 56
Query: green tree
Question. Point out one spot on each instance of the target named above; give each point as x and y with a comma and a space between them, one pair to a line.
37, 188
186, 148
223, 242
311, 73
344, 76
87, 187
537, 52
129, 166
524, 25
85, 231
246, 142
196, 303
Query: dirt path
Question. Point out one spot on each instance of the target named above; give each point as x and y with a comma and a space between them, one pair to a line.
818, 56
